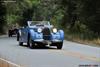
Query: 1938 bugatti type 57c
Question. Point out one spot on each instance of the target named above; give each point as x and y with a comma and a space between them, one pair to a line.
40, 33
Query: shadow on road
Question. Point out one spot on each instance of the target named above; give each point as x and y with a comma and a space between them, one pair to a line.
41, 47
6, 37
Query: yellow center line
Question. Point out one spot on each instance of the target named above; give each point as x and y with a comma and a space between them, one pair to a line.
77, 54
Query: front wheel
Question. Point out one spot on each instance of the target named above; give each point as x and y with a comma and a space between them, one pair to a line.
59, 45
20, 43
30, 43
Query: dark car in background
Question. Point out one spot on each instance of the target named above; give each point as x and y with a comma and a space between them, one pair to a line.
12, 31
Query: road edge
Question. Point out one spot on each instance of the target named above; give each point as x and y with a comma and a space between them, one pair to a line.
6, 63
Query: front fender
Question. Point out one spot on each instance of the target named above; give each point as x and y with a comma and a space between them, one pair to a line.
61, 34
35, 35
32, 34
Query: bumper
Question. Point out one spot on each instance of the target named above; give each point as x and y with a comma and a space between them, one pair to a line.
47, 41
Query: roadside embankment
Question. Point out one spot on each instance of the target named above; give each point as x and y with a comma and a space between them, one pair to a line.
5, 63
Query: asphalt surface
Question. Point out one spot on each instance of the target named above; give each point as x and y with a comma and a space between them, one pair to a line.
72, 54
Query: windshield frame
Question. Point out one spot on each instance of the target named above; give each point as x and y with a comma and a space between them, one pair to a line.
32, 23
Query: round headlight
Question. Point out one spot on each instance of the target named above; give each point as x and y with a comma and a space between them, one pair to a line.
39, 30
54, 30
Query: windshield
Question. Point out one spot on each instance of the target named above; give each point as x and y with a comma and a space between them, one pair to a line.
32, 23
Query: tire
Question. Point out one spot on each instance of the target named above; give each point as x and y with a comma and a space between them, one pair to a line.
11, 35
30, 43
8, 35
41, 45
17, 36
20, 43
59, 45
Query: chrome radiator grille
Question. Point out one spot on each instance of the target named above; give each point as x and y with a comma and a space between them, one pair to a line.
46, 34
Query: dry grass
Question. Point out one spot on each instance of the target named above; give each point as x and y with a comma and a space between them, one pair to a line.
94, 42
4, 63
97, 41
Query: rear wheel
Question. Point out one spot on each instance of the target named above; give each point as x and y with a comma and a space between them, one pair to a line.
9, 35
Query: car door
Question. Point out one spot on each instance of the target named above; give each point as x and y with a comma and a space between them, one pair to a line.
24, 34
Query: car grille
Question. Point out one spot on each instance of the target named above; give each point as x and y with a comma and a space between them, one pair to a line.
46, 34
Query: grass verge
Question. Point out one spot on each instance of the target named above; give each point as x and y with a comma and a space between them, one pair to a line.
5, 63
83, 39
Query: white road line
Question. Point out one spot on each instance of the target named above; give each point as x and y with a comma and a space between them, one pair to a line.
9, 62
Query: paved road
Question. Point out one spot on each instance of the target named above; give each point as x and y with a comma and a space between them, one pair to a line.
72, 55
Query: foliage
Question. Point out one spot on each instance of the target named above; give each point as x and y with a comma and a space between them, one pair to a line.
2, 16
76, 16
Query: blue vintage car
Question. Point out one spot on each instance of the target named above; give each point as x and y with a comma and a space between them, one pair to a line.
40, 33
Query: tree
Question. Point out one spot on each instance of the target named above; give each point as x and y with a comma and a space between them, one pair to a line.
89, 14
70, 16
2, 16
